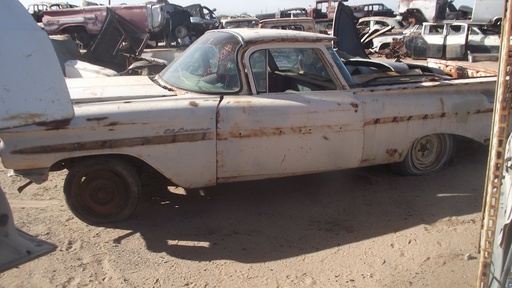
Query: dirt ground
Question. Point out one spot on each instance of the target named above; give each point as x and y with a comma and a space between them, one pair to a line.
362, 227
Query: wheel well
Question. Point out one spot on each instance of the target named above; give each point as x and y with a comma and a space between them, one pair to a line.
497, 21
384, 46
140, 166
73, 30
79, 34
180, 17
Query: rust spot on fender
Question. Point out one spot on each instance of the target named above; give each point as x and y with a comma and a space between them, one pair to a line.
27, 117
391, 151
55, 125
193, 104
97, 119
235, 132
398, 119
367, 160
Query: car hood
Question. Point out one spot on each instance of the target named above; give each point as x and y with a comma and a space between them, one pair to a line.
87, 90
344, 29
31, 80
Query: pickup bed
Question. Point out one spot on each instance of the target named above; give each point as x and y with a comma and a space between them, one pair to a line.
246, 104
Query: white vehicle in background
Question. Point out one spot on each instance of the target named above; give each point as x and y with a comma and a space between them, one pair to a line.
380, 22
377, 32
306, 24
457, 40
485, 12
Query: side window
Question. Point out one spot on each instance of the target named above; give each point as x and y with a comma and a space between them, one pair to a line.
382, 23
364, 24
258, 62
435, 30
457, 29
289, 70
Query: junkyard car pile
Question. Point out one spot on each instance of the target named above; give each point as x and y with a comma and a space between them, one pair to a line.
115, 36
162, 21
436, 29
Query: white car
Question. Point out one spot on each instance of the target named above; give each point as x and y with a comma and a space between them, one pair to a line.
380, 22
244, 104
451, 40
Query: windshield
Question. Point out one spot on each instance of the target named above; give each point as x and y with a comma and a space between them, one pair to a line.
207, 66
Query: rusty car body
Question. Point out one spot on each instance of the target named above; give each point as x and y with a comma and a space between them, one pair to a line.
202, 19
246, 104
324, 9
239, 22
372, 9
306, 24
295, 12
37, 9
163, 21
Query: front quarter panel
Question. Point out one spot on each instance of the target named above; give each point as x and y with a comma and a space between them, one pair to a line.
175, 135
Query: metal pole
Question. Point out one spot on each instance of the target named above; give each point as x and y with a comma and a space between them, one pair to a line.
499, 133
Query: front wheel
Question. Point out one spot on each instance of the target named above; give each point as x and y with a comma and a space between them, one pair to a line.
102, 190
427, 154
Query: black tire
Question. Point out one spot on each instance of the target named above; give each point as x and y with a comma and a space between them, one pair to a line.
427, 155
100, 191
181, 31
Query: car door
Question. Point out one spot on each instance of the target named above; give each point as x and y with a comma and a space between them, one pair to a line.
456, 39
439, 41
433, 46
296, 122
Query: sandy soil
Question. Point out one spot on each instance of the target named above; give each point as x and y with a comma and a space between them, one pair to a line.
355, 228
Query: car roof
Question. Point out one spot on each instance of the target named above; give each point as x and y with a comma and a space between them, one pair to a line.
252, 35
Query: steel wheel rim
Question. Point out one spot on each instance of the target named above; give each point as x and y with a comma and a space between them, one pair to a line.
101, 193
427, 152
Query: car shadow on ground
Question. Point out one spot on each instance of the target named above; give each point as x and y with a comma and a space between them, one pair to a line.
259, 221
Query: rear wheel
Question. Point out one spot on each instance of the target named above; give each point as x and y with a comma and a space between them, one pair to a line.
102, 190
426, 155
181, 31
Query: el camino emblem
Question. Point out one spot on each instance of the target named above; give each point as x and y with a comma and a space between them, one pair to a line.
185, 130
